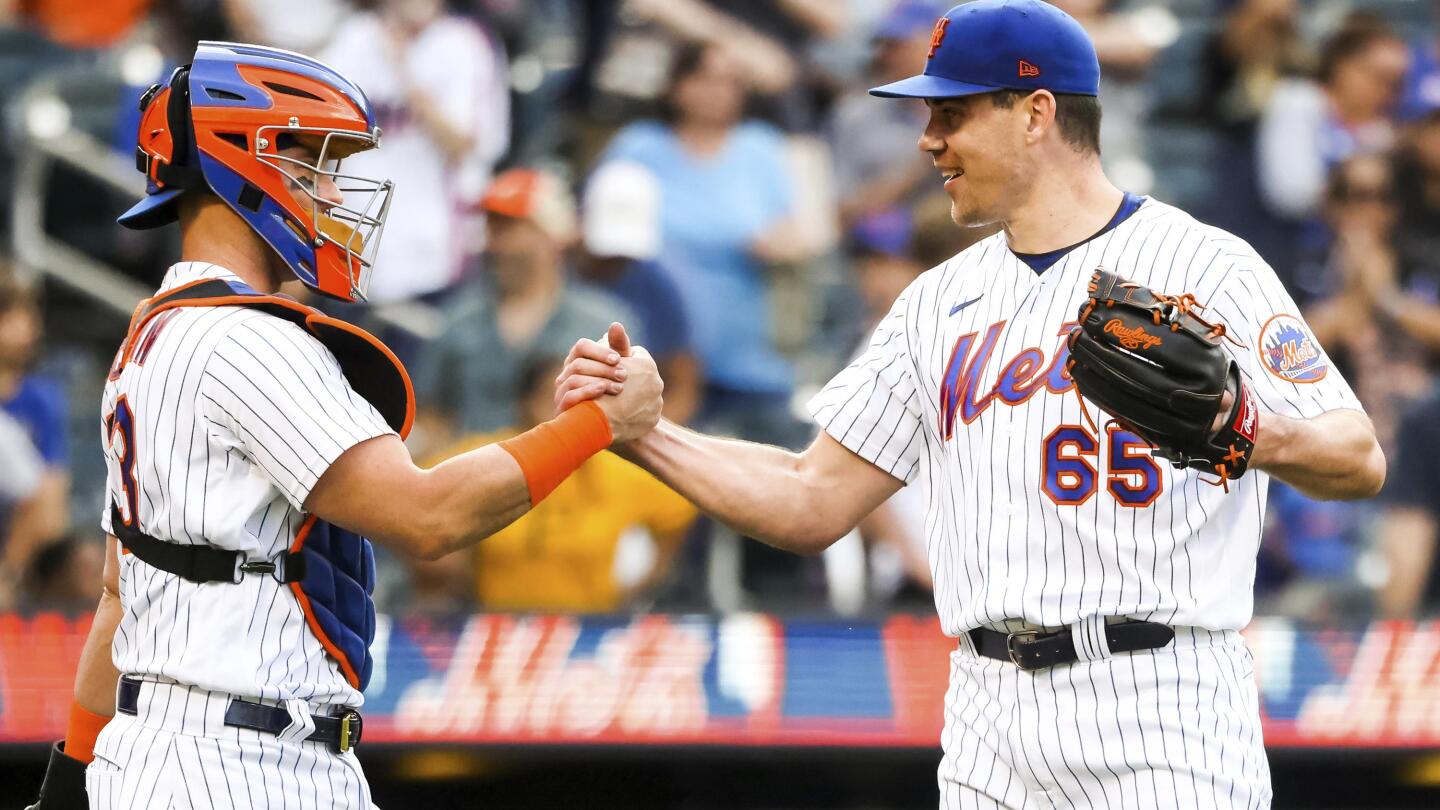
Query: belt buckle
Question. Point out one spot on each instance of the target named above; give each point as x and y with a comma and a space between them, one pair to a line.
350, 725
1010, 646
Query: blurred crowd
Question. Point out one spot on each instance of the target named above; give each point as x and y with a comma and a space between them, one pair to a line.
713, 175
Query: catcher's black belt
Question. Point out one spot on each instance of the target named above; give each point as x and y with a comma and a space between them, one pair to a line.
1032, 649
339, 733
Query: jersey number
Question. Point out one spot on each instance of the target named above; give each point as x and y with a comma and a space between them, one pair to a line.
120, 428
1070, 479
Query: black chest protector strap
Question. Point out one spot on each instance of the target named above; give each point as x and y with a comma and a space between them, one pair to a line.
203, 563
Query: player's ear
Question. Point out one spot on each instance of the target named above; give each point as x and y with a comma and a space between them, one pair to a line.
1039, 110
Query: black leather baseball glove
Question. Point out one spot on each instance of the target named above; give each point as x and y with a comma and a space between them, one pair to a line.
1161, 371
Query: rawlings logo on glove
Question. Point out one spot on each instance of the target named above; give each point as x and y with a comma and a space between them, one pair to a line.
1132, 338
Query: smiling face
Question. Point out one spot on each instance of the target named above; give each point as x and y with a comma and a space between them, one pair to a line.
979, 150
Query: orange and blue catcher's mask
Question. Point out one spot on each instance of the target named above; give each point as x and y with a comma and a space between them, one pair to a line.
222, 125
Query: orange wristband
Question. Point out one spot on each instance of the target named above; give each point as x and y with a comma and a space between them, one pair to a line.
81, 732
549, 452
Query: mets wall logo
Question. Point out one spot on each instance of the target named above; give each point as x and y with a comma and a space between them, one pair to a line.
1288, 351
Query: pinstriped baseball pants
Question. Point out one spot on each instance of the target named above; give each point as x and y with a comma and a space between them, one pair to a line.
1175, 727
177, 754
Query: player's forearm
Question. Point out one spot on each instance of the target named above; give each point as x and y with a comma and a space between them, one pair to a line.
95, 674
468, 498
758, 490
1333, 456
375, 490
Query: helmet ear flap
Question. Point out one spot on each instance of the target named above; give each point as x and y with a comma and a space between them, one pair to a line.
183, 169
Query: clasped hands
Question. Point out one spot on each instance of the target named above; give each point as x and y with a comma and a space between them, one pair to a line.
621, 378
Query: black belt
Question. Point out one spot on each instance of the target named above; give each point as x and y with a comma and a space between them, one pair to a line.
340, 733
1031, 649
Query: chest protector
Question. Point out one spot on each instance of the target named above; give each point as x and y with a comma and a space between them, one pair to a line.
330, 570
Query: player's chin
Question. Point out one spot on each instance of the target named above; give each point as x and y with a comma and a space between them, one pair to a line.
966, 215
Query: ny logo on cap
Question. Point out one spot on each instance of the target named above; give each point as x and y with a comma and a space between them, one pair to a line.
1028, 70
937, 36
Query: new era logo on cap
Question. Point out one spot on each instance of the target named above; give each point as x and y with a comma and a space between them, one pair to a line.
1028, 70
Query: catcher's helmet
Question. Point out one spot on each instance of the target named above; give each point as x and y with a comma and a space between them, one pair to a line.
218, 126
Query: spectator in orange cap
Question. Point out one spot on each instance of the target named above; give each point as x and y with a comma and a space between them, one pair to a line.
524, 303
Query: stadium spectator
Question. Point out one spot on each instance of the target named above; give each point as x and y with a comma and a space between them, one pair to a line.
1417, 180
728, 216
523, 303
1126, 43
18, 487
1422, 84
600, 543
1309, 127
37, 403
766, 41
438, 84
870, 137
1410, 523
1359, 302
1256, 47
725, 198
1309, 555
621, 214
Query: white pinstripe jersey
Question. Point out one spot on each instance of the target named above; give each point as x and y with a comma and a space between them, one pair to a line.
1031, 516
236, 414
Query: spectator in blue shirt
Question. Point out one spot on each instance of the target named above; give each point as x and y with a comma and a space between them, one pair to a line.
621, 245
38, 405
726, 197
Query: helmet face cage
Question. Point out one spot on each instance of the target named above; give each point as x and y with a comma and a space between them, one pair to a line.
352, 226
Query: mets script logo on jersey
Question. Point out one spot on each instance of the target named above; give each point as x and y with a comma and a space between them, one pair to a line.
1021, 378
1133, 337
1289, 351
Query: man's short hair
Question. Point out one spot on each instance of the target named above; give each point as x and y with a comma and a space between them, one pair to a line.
1077, 116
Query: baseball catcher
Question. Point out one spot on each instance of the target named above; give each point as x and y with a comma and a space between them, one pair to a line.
1161, 371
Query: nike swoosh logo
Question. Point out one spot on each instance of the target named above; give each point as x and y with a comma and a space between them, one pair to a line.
959, 307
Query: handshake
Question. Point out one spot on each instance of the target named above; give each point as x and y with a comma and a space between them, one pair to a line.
621, 378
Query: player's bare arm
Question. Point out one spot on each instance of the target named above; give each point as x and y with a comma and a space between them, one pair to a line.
1333, 456
800, 502
375, 489
95, 680
96, 675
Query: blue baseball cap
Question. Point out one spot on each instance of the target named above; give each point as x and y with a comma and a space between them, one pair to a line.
991, 45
